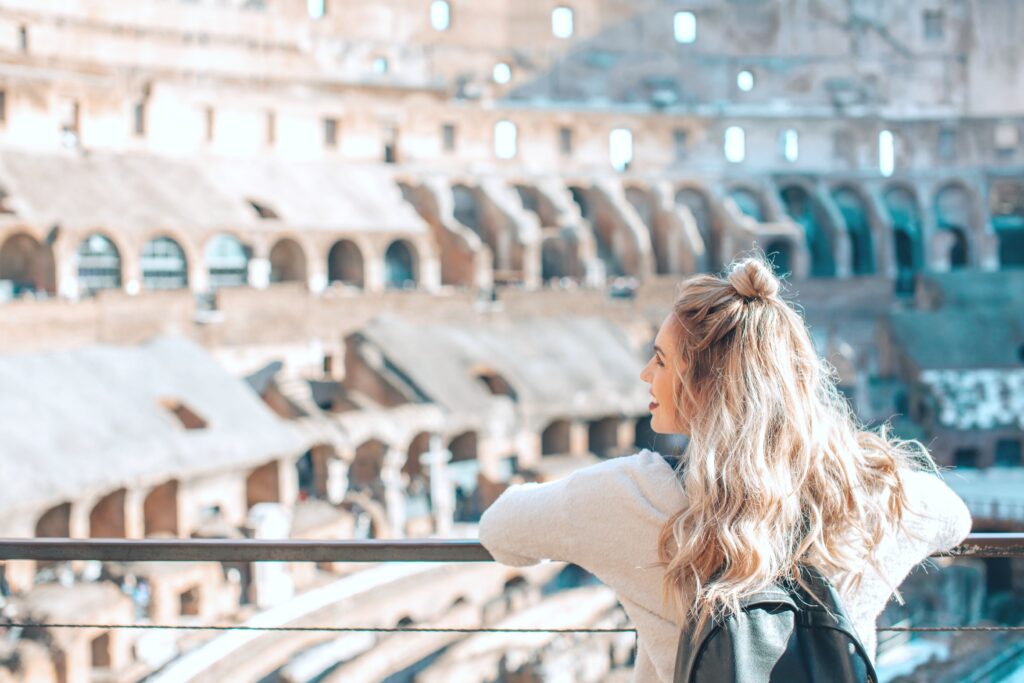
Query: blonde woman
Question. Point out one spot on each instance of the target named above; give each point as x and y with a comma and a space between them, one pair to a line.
777, 472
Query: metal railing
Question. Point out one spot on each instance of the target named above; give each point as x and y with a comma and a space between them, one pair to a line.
978, 545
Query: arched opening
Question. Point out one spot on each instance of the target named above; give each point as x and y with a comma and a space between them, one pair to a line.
537, 204
808, 214
99, 265
579, 197
287, 262
780, 254
107, 518
496, 384
953, 214
160, 510
906, 226
99, 648
463, 447
400, 266
643, 203
749, 202
227, 262
55, 522
698, 205
367, 467
555, 258
858, 228
603, 436
466, 209
164, 265
615, 247
263, 485
345, 264
555, 439
28, 265
1006, 206
414, 466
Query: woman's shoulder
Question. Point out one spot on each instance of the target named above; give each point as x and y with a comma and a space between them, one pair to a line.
935, 508
643, 476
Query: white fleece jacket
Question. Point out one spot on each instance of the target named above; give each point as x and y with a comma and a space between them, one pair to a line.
606, 518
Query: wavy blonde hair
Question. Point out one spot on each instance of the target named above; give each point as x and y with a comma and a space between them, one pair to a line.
778, 471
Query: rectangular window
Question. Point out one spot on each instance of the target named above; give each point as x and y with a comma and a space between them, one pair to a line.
684, 27
448, 137
331, 132
23, 38
140, 118
1006, 139
69, 120
210, 120
934, 25
947, 144
679, 141
1008, 453
271, 128
565, 140
3, 106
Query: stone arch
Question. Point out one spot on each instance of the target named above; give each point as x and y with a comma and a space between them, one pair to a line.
645, 205
401, 265
801, 205
496, 383
160, 510
616, 246
905, 214
107, 518
463, 447
749, 201
854, 209
780, 253
345, 264
227, 261
288, 261
954, 209
1006, 208
556, 438
29, 264
164, 264
537, 203
699, 204
603, 436
98, 264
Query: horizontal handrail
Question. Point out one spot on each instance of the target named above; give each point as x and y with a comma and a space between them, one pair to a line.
403, 550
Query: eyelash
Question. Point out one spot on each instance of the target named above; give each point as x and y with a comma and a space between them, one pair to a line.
660, 364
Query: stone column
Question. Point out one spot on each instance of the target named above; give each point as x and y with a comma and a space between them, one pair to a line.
259, 272
442, 491
337, 480
394, 491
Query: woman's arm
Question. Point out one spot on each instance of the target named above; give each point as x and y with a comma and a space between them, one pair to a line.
528, 523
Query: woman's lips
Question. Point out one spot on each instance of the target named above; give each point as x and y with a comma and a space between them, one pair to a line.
652, 405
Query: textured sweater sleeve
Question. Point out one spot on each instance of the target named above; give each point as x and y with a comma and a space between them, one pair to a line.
937, 513
528, 523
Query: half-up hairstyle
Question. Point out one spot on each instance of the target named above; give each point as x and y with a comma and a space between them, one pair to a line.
778, 471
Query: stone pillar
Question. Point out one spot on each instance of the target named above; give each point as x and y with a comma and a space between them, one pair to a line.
442, 491
579, 438
134, 514
67, 275
259, 272
373, 271
394, 491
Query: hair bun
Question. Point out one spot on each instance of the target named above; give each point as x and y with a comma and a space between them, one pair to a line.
753, 279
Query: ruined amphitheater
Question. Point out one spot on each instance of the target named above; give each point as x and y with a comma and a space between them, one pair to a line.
346, 269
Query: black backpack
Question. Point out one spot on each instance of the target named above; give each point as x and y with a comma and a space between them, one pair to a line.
780, 635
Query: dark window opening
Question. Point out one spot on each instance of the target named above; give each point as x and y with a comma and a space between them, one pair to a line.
140, 118
448, 137
186, 416
565, 140
263, 211
210, 117
3, 106
934, 24
331, 132
947, 144
1008, 453
679, 140
271, 128
23, 38
189, 603
965, 457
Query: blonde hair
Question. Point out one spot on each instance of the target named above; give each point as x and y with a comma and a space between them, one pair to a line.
778, 471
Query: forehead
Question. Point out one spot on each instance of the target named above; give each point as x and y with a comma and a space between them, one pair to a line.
667, 334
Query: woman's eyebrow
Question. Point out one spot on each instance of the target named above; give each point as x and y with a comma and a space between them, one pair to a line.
658, 350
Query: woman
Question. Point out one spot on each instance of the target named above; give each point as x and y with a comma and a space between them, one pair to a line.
777, 471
